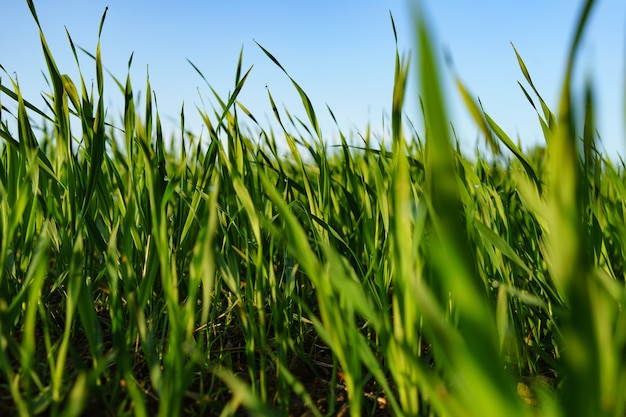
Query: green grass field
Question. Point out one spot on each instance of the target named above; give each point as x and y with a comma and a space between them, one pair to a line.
212, 275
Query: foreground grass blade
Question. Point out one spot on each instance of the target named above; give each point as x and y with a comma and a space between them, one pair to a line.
591, 310
485, 389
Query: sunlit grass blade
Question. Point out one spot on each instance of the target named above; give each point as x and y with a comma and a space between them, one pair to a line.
504, 138
588, 309
60, 100
486, 389
306, 102
548, 115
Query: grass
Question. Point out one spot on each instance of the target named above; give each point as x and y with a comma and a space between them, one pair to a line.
214, 276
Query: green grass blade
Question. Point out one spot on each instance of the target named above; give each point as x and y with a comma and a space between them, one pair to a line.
504, 138
306, 102
486, 390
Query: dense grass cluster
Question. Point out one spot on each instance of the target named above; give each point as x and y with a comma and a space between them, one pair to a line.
214, 276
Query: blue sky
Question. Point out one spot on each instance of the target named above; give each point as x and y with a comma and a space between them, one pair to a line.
340, 52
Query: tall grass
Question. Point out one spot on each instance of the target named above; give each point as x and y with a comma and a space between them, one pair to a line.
214, 276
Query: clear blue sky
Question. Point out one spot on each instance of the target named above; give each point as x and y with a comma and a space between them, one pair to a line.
340, 52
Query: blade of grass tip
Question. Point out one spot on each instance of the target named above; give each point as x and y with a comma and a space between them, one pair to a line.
198, 71
239, 65
85, 111
588, 188
220, 101
31, 6
546, 127
233, 97
589, 147
240, 81
236, 146
530, 100
113, 77
26, 135
182, 132
97, 148
275, 111
549, 116
305, 177
162, 177
525, 72
60, 103
13, 96
306, 102
67, 81
70, 89
129, 115
399, 89
102, 21
247, 112
148, 112
393, 27
28, 141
